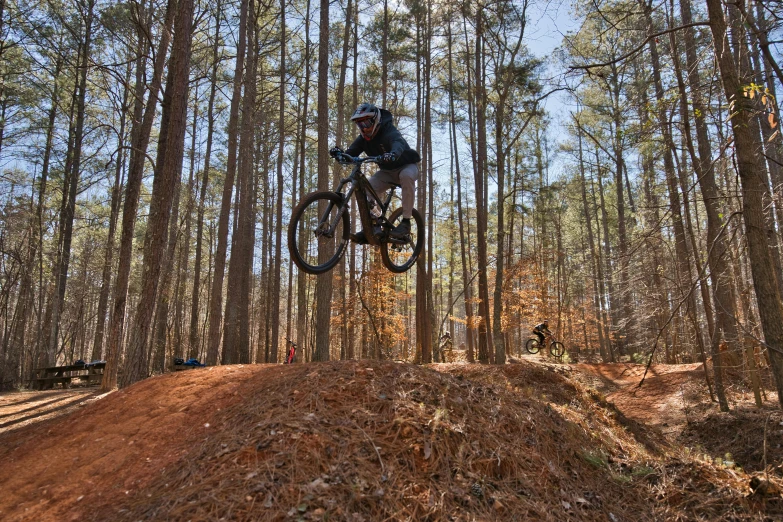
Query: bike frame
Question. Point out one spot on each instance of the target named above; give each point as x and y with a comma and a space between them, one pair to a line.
358, 183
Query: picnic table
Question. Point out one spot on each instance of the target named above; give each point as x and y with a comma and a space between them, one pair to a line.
46, 378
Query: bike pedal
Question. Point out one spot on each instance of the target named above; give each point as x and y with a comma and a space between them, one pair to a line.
359, 238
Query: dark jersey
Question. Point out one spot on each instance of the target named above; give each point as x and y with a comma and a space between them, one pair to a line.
541, 328
387, 139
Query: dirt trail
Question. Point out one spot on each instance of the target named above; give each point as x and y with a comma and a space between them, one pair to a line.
101, 446
29, 407
666, 398
675, 400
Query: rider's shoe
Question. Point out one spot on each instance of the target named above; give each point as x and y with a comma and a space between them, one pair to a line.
401, 230
360, 238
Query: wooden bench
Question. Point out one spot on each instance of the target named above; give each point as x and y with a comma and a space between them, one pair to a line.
47, 383
91, 378
46, 378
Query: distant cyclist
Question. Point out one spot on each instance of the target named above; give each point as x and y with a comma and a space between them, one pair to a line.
542, 330
446, 345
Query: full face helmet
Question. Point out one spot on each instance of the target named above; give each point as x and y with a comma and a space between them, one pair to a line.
368, 118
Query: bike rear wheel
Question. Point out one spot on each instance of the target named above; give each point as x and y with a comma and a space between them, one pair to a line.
400, 255
532, 346
556, 349
317, 234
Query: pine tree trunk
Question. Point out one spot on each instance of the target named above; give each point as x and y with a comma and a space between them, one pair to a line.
140, 136
194, 343
683, 272
481, 206
749, 168
219, 262
160, 332
103, 299
611, 306
429, 342
595, 263
172, 135
280, 184
73, 167
339, 139
323, 285
724, 324
236, 338
301, 278
18, 364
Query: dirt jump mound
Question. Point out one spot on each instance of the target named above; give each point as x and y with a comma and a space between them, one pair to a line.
359, 440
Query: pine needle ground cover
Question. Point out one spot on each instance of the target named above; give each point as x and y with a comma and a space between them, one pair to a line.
366, 440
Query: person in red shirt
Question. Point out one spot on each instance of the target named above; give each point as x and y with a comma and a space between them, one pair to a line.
289, 359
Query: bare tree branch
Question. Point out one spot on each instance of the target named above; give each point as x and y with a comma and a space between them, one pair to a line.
637, 48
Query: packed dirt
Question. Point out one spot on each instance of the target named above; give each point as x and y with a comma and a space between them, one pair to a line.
369, 440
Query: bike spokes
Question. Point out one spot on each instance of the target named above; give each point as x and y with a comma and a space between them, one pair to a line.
318, 232
532, 346
556, 349
400, 254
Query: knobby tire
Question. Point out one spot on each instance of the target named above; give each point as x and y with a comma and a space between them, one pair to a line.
400, 258
556, 349
312, 253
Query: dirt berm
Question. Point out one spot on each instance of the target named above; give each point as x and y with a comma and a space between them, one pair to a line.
362, 441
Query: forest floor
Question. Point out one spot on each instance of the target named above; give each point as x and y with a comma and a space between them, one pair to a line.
369, 440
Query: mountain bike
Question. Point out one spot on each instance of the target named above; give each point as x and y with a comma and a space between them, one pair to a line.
556, 348
320, 226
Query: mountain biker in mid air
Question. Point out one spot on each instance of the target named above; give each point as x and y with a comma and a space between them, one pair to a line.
541, 330
379, 137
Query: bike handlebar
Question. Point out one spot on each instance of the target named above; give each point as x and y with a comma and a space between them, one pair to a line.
347, 159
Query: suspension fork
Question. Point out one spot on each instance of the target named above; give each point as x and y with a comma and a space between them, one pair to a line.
351, 180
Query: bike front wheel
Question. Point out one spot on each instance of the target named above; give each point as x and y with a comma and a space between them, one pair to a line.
318, 232
532, 346
400, 255
556, 349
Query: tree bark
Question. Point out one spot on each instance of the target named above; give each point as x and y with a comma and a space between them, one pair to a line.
323, 285
595, 263
103, 300
235, 334
140, 136
194, 343
280, 184
175, 103
749, 167
481, 205
73, 171
467, 293
216, 294
725, 325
